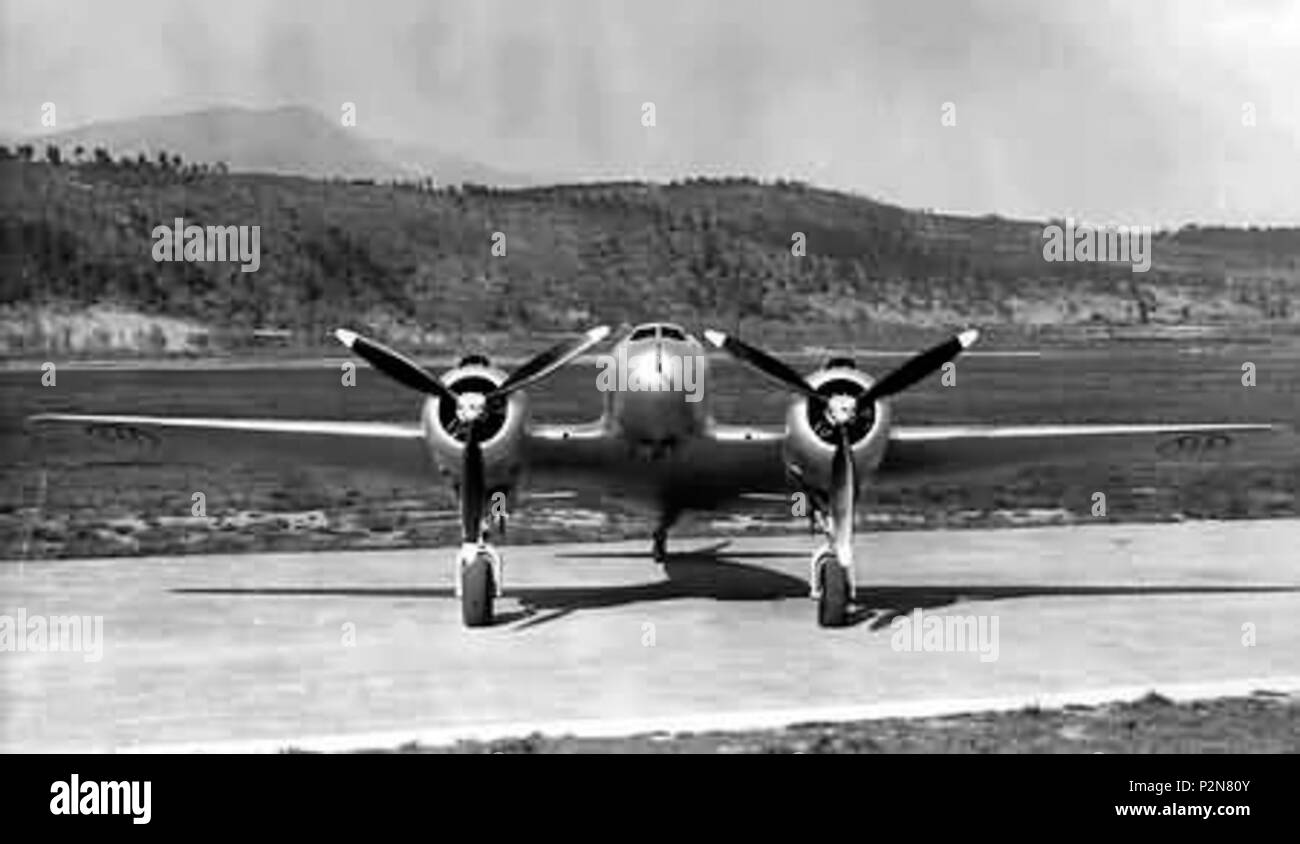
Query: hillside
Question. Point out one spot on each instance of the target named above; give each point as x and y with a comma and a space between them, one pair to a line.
416, 264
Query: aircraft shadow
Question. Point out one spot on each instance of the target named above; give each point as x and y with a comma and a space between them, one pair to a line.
706, 574
645, 555
700, 574
880, 605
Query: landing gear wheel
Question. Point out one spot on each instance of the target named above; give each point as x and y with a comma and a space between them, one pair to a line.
833, 600
477, 590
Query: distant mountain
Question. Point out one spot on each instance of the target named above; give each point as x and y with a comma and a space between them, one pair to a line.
292, 140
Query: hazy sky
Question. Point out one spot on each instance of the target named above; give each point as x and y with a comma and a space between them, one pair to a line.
1126, 112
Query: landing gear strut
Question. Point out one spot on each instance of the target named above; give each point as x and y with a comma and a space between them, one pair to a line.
659, 539
660, 545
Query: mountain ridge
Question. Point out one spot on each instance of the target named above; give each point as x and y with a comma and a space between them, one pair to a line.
289, 140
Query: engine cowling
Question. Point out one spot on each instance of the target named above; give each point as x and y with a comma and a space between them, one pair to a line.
501, 431
810, 444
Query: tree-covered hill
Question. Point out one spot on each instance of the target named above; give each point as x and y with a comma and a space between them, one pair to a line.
410, 260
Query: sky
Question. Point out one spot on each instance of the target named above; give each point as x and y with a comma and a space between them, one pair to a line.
1128, 112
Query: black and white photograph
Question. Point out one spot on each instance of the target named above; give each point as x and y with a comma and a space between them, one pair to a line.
488, 377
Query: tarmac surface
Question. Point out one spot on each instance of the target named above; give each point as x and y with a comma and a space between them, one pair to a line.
341, 650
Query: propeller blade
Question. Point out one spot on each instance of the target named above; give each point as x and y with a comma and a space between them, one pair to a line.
919, 367
843, 490
763, 363
471, 488
548, 361
395, 365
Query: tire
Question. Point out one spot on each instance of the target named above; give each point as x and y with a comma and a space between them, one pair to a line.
833, 603
476, 592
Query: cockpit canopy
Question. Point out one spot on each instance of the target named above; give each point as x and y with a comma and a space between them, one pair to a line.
658, 330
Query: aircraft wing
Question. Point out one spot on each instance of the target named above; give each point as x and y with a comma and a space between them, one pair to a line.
734, 460
383, 446
935, 451
556, 456
745, 462
568, 454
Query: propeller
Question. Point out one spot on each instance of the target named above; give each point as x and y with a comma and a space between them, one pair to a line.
913, 370
918, 367
395, 365
548, 361
471, 407
764, 363
842, 410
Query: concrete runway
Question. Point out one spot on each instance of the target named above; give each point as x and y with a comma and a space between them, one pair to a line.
365, 649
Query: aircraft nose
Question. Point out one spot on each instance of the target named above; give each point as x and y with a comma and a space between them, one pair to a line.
647, 371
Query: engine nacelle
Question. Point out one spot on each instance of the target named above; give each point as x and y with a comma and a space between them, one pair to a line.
810, 444
501, 431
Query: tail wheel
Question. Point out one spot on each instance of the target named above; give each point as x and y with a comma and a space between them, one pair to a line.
477, 591
833, 602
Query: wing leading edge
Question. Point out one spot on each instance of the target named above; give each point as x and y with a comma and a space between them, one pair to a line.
383, 446
556, 453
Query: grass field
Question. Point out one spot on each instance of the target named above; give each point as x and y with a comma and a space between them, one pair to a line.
1263, 723
95, 501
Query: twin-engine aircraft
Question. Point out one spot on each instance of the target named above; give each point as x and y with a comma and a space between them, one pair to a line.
656, 443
